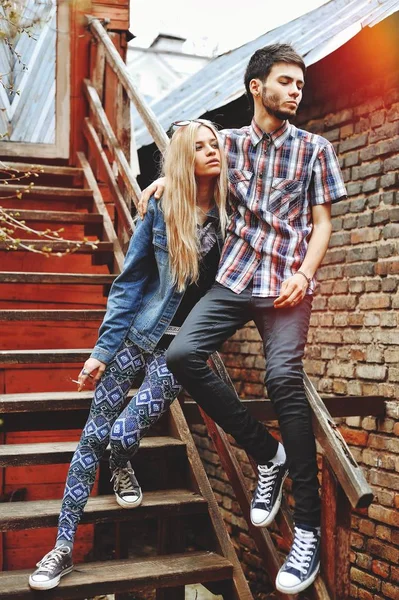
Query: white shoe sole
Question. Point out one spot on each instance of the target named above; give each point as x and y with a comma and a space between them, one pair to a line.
125, 504
48, 585
272, 514
300, 587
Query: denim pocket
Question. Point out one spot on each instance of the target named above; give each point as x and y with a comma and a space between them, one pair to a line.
285, 198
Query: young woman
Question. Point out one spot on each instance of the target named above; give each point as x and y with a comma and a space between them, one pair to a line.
171, 262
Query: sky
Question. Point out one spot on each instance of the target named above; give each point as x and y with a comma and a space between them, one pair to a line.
212, 25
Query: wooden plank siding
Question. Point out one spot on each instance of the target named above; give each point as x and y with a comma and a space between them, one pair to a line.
115, 10
80, 38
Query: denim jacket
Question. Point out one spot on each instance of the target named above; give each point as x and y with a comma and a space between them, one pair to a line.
142, 300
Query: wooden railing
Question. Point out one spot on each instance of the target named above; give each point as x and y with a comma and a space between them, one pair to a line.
344, 486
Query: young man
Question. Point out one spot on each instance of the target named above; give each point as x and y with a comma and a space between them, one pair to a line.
283, 181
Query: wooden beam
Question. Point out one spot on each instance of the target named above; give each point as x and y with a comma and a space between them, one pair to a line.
179, 428
117, 64
119, 256
63, 278
262, 408
112, 142
335, 541
97, 149
336, 450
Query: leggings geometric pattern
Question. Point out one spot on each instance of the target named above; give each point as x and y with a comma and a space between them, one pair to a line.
107, 424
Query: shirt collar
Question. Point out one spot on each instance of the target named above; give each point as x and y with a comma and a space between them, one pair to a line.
278, 136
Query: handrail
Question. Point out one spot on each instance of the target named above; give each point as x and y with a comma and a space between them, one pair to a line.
116, 63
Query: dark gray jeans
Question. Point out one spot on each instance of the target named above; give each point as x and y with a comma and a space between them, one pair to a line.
213, 320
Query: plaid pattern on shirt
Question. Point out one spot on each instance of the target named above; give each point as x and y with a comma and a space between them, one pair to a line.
275, 179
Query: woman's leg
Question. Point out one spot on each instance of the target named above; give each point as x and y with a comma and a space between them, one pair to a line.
157, 392
108, 400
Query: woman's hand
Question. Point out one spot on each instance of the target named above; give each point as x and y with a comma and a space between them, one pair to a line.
157, 188
91, 365
292, 291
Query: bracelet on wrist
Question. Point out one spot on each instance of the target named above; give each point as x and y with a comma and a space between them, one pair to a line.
308, 279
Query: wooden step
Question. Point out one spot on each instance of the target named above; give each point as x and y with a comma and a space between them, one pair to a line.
43, 191
73, 247
47, 401
51, 315
47, 216
117, 576
44, 169
24, 357
101, 509
62, 278
17, 455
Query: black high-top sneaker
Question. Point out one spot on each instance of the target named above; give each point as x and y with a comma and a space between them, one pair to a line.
302, 563
266, 500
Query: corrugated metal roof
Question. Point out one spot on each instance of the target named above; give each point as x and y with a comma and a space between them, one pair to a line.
314, 35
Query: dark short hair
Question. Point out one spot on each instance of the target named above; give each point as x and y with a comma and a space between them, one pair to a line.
261, 63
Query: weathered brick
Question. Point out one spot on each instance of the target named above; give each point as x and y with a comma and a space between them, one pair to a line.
346, 130
332, 135
356, 437
389, 180
391, 231
383, 533
365, 235
377, 118
368, 169
342, 302
354, 189
365, 579
373, 201
351, 159
374, 372
339, 239
390, 197
384, 479
365, 219
393, 112
379, 548
338, 118
391, 164
374, 301
389, 284
386, 131
390, 591
363, 253
369, 107
371, 185
356, 141
372, 285
359, 269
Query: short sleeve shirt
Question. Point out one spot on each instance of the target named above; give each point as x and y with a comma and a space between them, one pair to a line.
274, 179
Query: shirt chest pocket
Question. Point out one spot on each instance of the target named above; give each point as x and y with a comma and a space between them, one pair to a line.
240, 182
285, 198
160, 246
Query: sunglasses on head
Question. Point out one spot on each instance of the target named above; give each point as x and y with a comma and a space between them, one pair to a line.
176, 124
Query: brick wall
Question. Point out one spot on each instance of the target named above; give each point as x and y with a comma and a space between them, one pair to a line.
353, 344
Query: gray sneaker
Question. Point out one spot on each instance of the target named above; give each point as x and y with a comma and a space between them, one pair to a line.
127, 490
53, 566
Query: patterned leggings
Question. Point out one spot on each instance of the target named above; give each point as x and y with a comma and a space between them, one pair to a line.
106, 424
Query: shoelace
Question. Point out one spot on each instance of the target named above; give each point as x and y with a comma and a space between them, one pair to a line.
53, 558
124, 480
302, 550
267, 476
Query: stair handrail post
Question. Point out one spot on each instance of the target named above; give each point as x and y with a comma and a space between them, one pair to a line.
116, 63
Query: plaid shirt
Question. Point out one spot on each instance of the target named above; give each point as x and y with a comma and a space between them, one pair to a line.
275, 179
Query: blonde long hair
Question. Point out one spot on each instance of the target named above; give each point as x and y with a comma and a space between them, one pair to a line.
179, 202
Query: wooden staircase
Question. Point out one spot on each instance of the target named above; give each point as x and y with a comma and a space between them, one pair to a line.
48, 306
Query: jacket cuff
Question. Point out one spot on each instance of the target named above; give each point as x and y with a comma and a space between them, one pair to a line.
100, 354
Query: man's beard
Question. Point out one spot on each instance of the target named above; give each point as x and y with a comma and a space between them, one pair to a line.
271, 105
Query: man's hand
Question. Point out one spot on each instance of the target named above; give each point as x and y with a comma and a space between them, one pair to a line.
157, 188
91, 365
292, 291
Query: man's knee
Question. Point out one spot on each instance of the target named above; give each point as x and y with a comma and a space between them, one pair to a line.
179, 356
